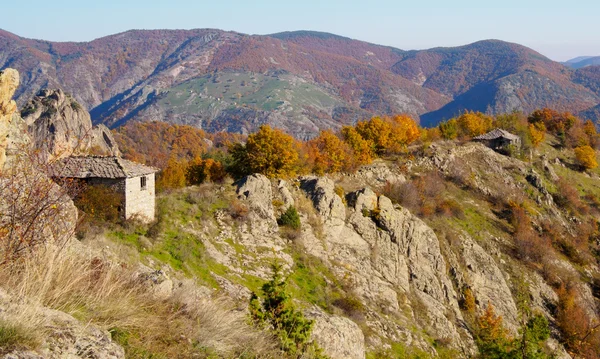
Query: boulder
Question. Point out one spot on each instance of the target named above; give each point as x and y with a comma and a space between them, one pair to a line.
321, 191
286, 195
256, 190
339, 337
361, 200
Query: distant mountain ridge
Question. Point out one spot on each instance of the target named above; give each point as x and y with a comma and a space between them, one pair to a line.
301, 81
583, 61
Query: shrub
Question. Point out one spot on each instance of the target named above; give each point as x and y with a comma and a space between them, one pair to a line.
468, 302
351, 306
238, 210
290, 218
277, 311
100, 203
568, 198
33, 209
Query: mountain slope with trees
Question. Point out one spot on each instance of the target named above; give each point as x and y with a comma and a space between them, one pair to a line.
300, 81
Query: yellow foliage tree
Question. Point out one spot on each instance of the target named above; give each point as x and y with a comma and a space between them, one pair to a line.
536, 133
377, 131
271, 152
389, 134
363, 149
173, 176
586, 157
208, 170
473, 124
404, 132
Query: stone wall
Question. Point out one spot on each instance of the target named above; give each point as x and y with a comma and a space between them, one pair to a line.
137, 201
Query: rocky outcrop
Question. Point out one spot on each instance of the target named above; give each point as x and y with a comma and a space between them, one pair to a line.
9, 81
64, 336
389, 254
487, 282
339, 337
256, 190
60, 127
321, 191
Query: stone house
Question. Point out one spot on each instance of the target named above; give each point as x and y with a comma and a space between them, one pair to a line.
499, 140
133, 180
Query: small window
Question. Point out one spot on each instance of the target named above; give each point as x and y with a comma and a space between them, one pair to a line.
143, 183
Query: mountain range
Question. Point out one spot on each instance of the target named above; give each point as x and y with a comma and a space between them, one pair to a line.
583, 61
300, 81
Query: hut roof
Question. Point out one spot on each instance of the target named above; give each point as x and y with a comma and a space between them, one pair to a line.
99, 167
497, 133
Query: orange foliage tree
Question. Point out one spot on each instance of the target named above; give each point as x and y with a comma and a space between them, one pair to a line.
328, 153
173, 176
199, 171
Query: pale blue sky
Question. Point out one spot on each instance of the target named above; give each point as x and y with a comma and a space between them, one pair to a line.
558, 29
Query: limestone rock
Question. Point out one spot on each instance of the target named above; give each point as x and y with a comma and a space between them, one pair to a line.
9, 81
321, 192
66, 337
548, 169
256, 189
286, 195
488, 283
339, 337
364, 199
60, 127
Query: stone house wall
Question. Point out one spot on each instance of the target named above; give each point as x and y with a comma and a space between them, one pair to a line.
138, 201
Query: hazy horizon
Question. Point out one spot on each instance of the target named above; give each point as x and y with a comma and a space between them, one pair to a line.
540, 25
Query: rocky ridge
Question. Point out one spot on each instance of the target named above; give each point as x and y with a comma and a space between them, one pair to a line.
61, 127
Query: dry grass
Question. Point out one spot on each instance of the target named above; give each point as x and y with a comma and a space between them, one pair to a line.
112, 297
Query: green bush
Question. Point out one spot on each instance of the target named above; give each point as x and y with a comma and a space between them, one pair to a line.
278, 312
290, 218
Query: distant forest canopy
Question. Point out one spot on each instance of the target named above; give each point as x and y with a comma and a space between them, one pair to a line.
188, 155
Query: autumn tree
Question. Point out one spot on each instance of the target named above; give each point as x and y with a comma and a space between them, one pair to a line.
204, 170
268, 151
328, 153
173, 176
377, 131
491, 337
473, 124
586, 157
536, 133
449, 129
580, 333
389, 135
363, 149
404, 132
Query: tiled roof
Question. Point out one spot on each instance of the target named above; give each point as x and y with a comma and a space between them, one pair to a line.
99, 167
496, 133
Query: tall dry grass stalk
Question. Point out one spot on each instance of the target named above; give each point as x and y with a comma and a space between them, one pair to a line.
113, 297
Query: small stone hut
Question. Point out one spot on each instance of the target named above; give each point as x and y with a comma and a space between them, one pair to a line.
499, 140
133, 180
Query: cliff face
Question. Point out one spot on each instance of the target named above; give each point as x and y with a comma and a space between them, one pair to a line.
9, 119
60, 127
